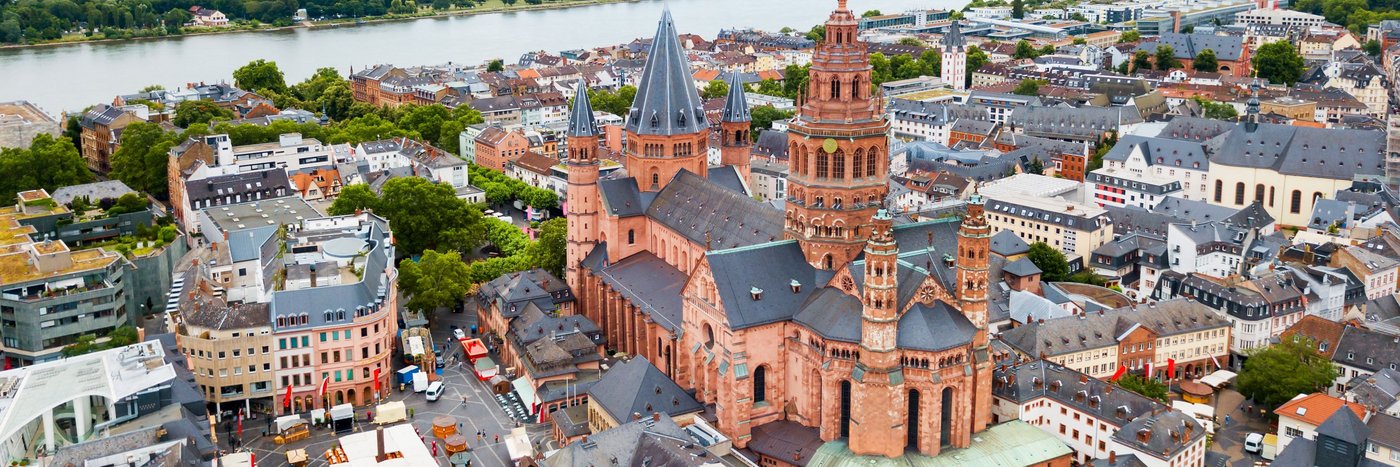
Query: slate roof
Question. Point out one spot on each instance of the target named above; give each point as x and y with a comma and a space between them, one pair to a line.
1021, 268
1304, 151
1160, 428
368, 291
1376, 391
736, 106
650, 283
1173, 152
729, 178
786, 440
953, 38
1187, 46
1346, 426
771, 143
1094, 330
581, 121
637, 387
238, 188
666, 101
1366, 349
1385, 429
1007, 243
625, 445
933, 327
770, 267
1252, 216
1079, 123
622, 198
1092, 396
510, 292
709, 214
833, 314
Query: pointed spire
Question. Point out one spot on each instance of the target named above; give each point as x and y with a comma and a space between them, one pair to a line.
736, 105
667, 102
953, 39
581, 121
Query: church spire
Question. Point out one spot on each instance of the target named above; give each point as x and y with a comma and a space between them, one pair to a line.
736, 104
581, 122
667, 102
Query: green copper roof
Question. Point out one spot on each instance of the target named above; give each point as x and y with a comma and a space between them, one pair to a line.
1013, 443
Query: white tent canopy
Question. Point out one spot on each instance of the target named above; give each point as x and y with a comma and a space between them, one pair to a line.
1218, 379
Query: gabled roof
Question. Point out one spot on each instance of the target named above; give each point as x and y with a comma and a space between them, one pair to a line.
637, 387
1316, 408
709, 214
1007, 243
1346, 426
666, 102
953, 39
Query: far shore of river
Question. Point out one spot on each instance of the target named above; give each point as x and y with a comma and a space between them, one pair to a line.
336, 23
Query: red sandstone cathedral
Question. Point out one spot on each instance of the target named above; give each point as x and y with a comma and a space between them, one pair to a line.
825, 313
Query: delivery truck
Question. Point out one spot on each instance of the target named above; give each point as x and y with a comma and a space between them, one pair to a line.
420, 381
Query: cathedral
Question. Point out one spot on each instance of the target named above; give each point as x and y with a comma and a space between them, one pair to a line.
824, 313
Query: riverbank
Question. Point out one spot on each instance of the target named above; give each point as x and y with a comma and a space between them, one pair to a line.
496, 6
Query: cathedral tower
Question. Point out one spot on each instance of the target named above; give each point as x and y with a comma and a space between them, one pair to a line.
974, 243
954, 67
666, 126
736, 144
838, 149
582, 193
878, 380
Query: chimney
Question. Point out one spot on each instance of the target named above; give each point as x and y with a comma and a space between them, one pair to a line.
1112, 458
380, 456
655, 417
636, 416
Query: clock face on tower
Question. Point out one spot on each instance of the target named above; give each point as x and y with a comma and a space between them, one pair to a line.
829, 146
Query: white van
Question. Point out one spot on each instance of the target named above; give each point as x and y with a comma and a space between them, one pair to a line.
1253, 443
435, 391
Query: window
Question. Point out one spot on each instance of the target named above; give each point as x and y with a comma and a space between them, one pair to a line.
1239, 193
1296, 202
631, 237
823, 161
1259, 193
1292, 432
760, 384
1219, 190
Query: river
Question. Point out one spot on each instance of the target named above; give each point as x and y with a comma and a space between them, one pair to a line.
72, 77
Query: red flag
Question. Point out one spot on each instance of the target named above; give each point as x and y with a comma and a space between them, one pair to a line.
324, 383
240, 425
1171, 367
287, 399
1147, 370
1119, 373
376, 378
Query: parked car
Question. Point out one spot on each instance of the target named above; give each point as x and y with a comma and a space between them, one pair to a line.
434, 391
1253, 443
459, 333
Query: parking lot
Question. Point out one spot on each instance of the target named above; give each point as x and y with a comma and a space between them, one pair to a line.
465, 398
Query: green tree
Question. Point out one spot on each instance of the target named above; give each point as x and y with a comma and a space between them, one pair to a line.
119, 336
1216, 110
496, 66
1080, 41
770, 87
336, 101
1096, 159
1372, 48
1029, 87
869, 13
716, 89
1024, 50
437, 280
1141, 60
1166, 58
1131, 35
174, 19
1146, 387
763, 116
975, 59
258, 75
353, 198
1035, 167
140, 161
1275, 374
818, 33
1018, 9
613, 102
1205, 61
911, 41
1048, 49
548, 250
199, 111
48, 163
1052, 263
1279, 62
314, 86
795, 79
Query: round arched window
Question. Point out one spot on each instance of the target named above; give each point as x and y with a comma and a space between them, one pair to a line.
709, 336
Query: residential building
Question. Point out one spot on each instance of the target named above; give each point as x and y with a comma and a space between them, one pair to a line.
496, 147
423, 159
101, 129
1364, 81
1031, 206
551, 351
633, 387
1342, 439
1280, 17
466, 141
1376, 271
1259, 310
1086, 413
1118, 188
21, 121
533, 168
51, 295
768, 178
207, 17
1141, 339
1230, 51
228, 345
1300, 417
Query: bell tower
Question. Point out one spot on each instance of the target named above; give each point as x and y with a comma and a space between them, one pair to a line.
582, 195
736, 144
954, 67
877, 376
838, 149
974, 248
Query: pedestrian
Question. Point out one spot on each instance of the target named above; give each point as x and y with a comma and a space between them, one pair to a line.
498, 439
434, 448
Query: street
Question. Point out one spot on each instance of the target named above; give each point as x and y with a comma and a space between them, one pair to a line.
1229, 440
466, 398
